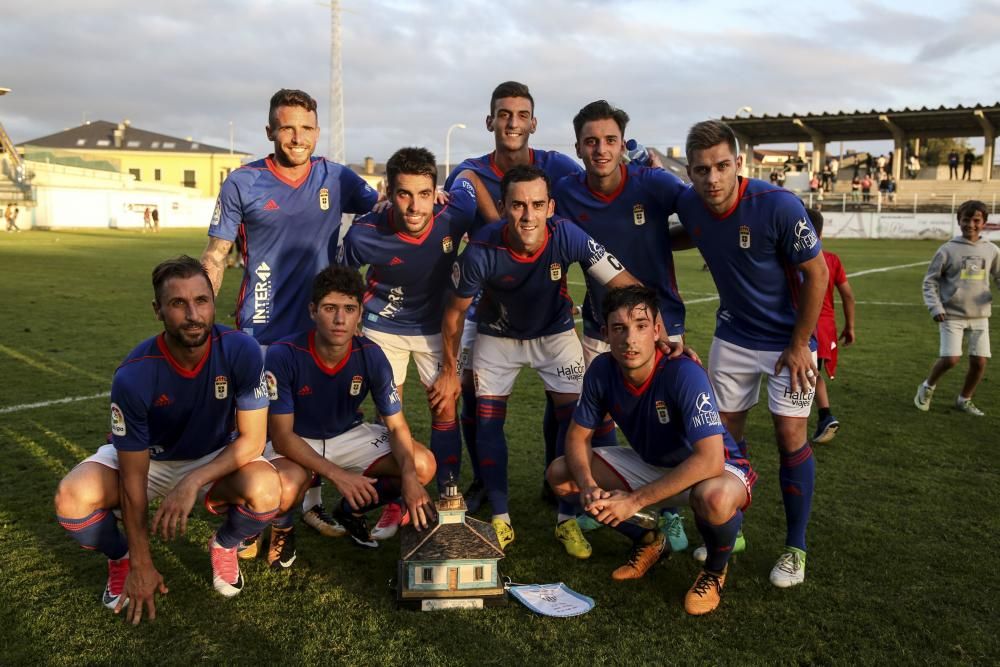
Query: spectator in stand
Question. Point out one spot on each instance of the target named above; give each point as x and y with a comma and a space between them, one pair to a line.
826, 176
967, 161
834, 168
952, 164
814, 184
890, 189
880, 163
914, 166
774, 177
866, 188
856, 188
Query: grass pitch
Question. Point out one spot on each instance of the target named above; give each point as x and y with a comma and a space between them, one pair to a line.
900, 569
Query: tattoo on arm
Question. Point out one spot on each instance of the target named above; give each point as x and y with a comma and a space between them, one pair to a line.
214, 261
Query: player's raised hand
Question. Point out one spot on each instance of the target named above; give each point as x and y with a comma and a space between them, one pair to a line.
381, 205
441, 197
672, 349
358, 490
802, 369
141, 586
174, 510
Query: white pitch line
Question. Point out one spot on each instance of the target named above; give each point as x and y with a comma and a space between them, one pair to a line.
886, 268
43, 404
105, 394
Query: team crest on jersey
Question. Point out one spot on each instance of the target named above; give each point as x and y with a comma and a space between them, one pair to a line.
324, 198
272, 386
555, 271
744, 237
446, 244
661, 412
117, 420
221, 386
356, 385
639, 214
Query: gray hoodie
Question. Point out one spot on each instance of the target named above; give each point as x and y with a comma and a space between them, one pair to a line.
957, 280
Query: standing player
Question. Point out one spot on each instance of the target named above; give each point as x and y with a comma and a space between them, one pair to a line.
826, 334
176, 402
680, 452
525, 319
286, 211
624, 208
756, 239
409, 249
317, 380
512, 122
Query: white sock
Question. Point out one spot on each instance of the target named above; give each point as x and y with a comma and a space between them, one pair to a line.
505, 517
313, 497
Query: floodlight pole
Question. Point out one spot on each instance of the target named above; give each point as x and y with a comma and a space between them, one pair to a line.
447, 147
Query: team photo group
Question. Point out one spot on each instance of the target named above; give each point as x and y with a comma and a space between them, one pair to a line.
468, 278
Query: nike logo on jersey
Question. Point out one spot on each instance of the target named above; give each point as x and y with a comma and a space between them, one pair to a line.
163, 401
271, 205
306, 390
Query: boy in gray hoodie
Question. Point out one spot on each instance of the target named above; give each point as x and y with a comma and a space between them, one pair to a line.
957, 293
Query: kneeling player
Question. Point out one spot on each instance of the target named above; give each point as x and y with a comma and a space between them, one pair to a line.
525, 319
317, 381
175, 401
680, 452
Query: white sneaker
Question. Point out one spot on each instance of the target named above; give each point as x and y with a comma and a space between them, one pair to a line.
226, 576
967, 406
393, 516
790, 570
923, 398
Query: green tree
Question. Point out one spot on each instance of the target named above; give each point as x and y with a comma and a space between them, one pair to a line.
935, 151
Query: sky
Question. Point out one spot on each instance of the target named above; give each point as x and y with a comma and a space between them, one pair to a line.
412, 69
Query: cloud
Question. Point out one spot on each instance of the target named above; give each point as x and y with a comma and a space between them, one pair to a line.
188, 68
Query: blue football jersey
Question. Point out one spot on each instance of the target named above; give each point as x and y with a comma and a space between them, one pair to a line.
289, 232
753, 252
407, 279
181, 415
326, 401
555, 165
632, 224
524, 297
664, 417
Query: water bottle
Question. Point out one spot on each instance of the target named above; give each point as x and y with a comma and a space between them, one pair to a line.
637, 153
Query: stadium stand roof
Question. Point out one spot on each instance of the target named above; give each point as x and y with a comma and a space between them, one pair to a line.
959, 121
104, 135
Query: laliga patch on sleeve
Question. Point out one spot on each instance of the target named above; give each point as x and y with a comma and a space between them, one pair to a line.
217, 214
272, 386
117, 420
456, 275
